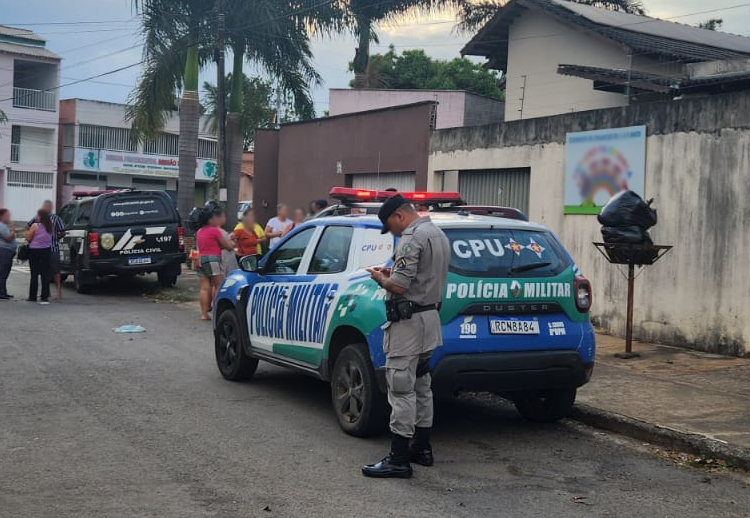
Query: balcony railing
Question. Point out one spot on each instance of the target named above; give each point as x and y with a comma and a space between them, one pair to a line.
33, 154
34, 99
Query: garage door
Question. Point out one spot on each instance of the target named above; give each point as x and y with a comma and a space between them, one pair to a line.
382, 181
503, 187
26, 190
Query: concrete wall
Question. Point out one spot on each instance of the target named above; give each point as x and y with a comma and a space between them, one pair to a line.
480, 110
266, 177
698, 170
389, 140
538, 44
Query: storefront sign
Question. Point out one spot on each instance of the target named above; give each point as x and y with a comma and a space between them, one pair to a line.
138, 164
599, 164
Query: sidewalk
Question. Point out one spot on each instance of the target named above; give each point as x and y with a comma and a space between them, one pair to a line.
690, 397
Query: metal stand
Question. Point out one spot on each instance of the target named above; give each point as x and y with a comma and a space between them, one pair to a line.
632, 255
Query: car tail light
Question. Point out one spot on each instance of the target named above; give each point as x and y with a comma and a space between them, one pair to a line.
582, 293
93, 244
181, 238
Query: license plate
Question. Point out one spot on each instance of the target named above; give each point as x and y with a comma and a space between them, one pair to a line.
139, 260
514, 327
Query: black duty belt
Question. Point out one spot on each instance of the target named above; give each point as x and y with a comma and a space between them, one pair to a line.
420, 309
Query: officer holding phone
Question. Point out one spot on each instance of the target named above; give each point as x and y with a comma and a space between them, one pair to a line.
415, 285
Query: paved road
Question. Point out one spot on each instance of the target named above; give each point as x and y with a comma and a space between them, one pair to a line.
98, 424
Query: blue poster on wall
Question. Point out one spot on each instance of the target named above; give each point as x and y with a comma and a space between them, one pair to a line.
601, 163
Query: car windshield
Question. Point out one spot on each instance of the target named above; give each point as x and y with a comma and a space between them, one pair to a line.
133, 210
492, 252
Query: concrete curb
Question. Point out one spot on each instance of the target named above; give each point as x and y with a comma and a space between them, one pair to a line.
688, 442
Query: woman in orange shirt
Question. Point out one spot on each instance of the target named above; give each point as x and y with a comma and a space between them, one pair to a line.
246, 237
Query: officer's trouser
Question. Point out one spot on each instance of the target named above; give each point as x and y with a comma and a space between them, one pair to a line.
410, 395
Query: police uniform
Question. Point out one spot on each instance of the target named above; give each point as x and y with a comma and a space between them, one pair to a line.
420, 267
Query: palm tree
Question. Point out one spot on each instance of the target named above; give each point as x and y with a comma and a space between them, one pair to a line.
474, 15
364, 15
177, 44
180, 40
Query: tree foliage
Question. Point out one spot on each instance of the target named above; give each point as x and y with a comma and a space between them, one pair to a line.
415, 70
713, 24
257, 111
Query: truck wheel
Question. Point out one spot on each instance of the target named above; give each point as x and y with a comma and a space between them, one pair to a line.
359, 405
80, 285
234, 364
167, 278
545, 406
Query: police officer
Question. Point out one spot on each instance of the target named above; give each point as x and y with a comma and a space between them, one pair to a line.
415, 285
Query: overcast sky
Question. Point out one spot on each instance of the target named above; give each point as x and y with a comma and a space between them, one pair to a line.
88, 49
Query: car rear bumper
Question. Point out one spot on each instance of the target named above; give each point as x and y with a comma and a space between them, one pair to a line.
510, 372
116, 266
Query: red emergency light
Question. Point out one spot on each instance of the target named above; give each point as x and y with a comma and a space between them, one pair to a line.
347, 194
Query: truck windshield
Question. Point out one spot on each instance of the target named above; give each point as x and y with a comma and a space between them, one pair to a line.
491, 252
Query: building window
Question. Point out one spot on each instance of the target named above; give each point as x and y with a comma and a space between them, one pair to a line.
68, 140
163, 144
15, 144
104, 137
206, 148
30, 179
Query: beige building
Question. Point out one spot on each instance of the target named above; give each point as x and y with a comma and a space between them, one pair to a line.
559, 56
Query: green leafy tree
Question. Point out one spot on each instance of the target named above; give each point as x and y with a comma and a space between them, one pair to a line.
415, 70
472, 16
363, 16
257, 111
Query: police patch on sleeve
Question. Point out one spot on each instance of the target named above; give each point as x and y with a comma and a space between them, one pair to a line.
407, 249
400, 263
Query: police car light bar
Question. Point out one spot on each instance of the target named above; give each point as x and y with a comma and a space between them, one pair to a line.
347, 194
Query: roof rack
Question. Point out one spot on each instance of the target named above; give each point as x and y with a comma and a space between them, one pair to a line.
77, 195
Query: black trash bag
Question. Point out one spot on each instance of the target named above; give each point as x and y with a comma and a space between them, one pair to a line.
630, 235
627, 208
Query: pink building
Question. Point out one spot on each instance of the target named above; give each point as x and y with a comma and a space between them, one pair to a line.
455, 108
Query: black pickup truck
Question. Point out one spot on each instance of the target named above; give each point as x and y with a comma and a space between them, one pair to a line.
121, 233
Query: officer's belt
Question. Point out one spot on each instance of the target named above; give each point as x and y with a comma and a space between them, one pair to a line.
416, 308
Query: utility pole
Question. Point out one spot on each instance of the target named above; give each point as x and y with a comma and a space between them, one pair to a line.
278, 104
219, 186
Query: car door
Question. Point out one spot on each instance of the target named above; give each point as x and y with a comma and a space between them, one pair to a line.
269, 296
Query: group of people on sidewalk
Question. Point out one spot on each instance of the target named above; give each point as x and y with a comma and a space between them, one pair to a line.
219, 250
43, 253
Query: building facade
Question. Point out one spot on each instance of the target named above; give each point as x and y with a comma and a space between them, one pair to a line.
455, 108
560, 56
29, 78
97, 152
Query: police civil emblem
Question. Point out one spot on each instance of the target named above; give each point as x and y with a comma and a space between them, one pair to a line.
108, 241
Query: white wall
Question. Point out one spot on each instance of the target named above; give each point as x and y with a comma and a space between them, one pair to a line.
538, 44
697, 295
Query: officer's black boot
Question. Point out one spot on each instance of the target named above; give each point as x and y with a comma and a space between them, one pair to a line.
421, 450
395, 465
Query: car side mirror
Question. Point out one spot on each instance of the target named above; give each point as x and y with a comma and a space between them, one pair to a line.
249, 263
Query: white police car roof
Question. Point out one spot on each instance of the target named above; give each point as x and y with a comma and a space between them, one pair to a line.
444, 220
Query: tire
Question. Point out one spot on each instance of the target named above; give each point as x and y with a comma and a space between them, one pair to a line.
167, 278
545, 406
231, 359
80, 285
360, 407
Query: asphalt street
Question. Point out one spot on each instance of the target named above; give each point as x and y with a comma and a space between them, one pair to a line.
99, 424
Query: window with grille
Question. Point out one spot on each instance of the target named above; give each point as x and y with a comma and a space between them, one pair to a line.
206, 148
163, 144
104, 137
30, 179
15, 143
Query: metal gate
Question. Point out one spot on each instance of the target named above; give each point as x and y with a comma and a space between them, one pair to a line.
501, 187
26, 190
382, 181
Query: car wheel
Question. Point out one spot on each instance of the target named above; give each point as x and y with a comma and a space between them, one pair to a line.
80, 285
545, 406
234, 364
167, 278
359, 405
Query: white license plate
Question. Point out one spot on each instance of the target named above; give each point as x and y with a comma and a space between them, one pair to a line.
139, 260
514, 327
